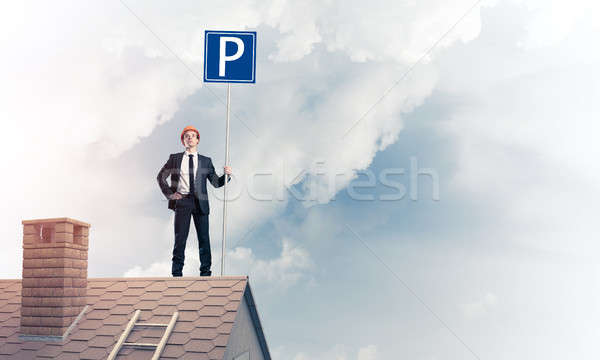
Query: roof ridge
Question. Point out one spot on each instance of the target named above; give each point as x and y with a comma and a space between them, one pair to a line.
187, 278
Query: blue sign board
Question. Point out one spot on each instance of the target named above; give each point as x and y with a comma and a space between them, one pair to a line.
230, 56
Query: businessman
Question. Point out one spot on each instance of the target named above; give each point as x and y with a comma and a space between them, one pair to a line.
189, 199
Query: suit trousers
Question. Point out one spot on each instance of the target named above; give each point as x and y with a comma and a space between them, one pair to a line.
185, 209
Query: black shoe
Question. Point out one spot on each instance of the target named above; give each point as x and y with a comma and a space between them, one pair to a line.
205, 273
177, 275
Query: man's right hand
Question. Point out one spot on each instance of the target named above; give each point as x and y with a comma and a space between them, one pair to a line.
176, 196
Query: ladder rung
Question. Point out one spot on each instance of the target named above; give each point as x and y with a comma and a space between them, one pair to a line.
132, 323
140, 344
150, 324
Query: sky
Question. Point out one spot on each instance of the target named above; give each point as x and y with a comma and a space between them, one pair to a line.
411, 179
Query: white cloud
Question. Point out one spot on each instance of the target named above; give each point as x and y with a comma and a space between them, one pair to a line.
527, 139
85, 84
377, 30
337, 352
367, 353
292, 265
158, 269
478, 307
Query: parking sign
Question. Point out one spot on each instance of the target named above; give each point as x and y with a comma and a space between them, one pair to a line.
230, 56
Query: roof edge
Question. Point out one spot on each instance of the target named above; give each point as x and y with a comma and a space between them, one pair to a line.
256, 322
177, 278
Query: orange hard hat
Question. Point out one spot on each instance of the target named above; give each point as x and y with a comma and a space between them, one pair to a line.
188, 128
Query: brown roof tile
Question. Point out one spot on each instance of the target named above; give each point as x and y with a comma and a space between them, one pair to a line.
232, 305
50, 350
98, 314
154, 295
217, 353
208, 321
191, 305
221, 340
179, 283
211, 310
9, 349
122, 310
174, 291
197, 345
7, 331
94, 353
25, 354
104, 304
146, 305
9, 308
13, 321
113, 295
129, 300
33, 345
228, 316
134, 292
117, 286
75, 346
108, 330
103, 341
81, 334
207, 308
204, 333
188, 315
116, 320
194, 356
194, 295
184, 327
216, 300
174, 351
179, 338
225, 328
138, 284
167, 310
170, 300
157, 286
88, 324
67, 356
199, 286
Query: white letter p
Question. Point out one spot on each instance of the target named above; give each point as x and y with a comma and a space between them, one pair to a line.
224, 58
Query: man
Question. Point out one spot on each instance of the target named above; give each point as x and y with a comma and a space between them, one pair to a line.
188, 197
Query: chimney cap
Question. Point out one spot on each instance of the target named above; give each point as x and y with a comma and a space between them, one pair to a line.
55, 220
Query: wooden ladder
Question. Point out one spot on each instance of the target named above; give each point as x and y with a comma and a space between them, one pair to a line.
133, 322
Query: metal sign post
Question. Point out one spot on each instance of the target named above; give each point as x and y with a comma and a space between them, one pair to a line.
225, 185
229, 57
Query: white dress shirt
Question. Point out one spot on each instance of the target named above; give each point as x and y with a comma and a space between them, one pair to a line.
183, 187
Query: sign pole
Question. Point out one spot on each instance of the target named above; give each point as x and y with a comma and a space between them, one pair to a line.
226, 176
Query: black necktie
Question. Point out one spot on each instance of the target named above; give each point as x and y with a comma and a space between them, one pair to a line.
192, 174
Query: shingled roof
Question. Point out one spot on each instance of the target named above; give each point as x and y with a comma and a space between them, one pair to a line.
208, 308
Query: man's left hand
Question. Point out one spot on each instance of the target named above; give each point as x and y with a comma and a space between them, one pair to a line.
227, 170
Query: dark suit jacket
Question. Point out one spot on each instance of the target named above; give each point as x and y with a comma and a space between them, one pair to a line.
206, 171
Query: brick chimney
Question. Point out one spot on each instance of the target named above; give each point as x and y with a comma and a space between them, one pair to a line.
54, 275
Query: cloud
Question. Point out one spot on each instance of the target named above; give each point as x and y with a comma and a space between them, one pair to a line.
377, 31
338, 352
526, 143
86, 86
292, 265
162, 269
478, 307
367, 353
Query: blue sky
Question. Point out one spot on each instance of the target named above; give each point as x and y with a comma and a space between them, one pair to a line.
502, 110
